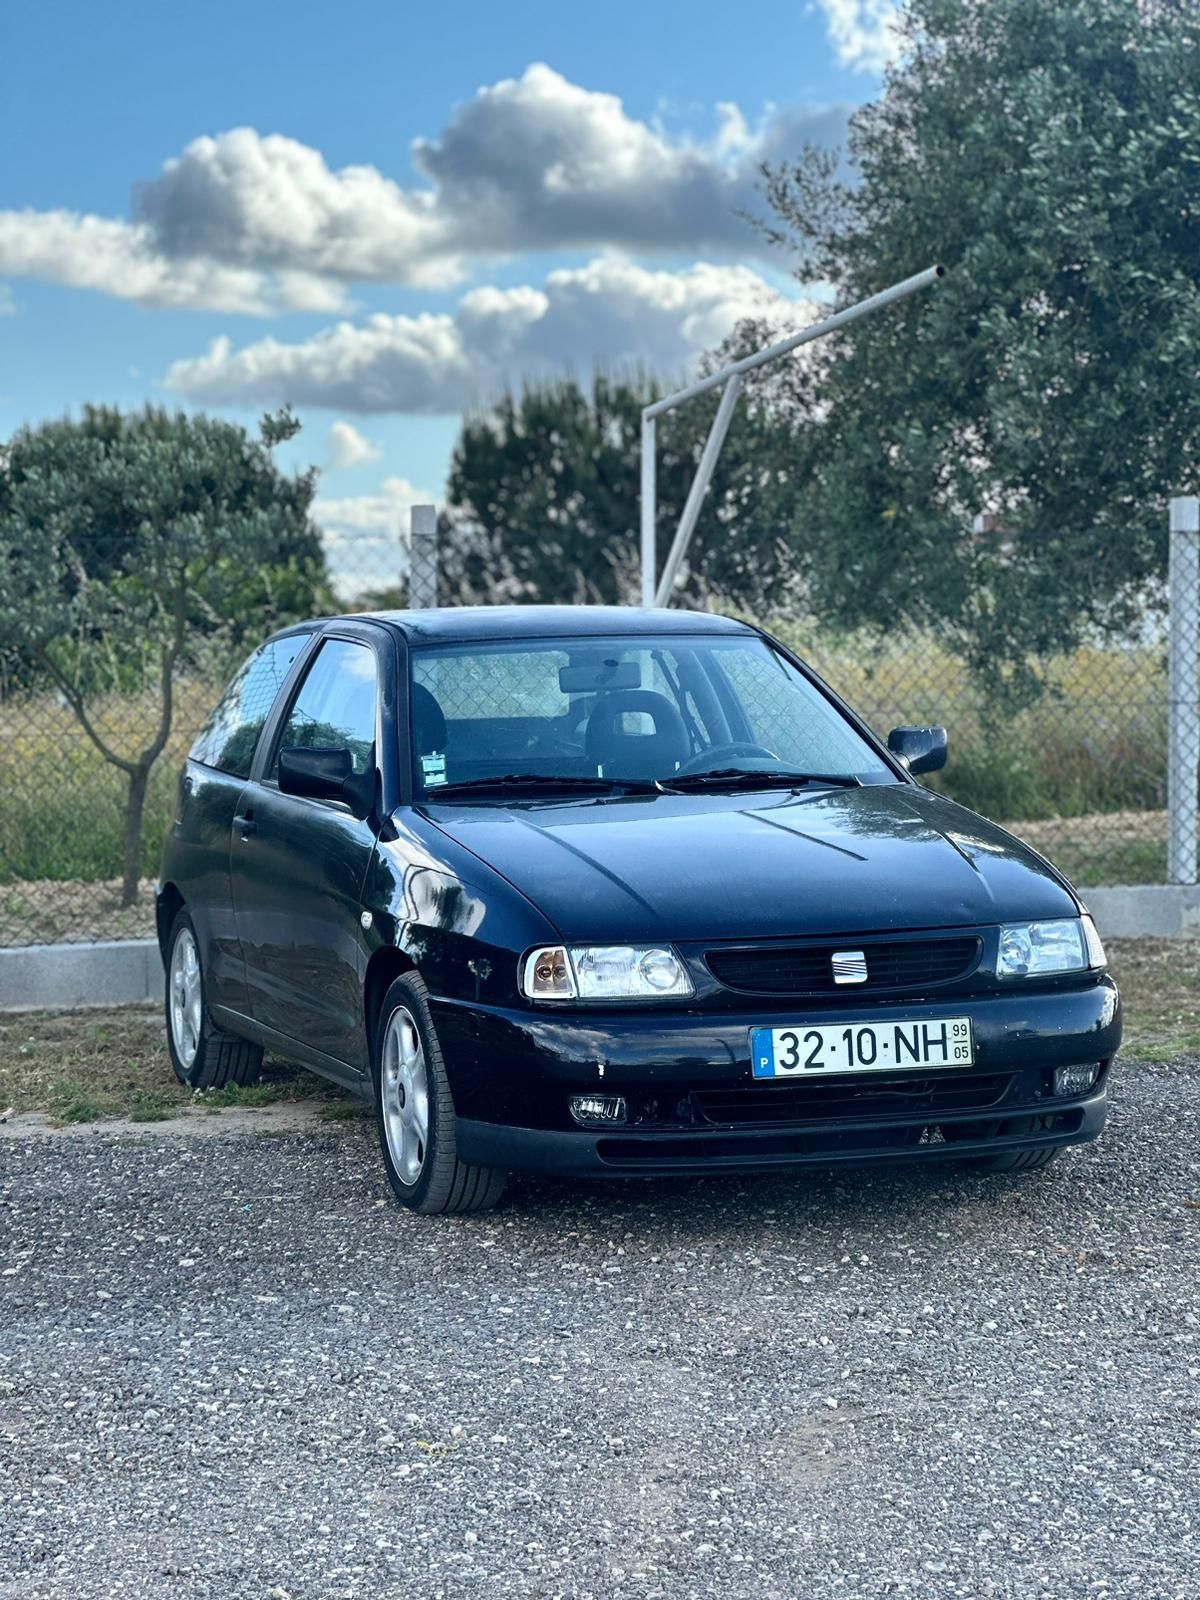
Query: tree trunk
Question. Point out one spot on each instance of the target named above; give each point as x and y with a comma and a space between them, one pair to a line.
135, 807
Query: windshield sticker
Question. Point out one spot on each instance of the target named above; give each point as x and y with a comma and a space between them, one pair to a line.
433, 770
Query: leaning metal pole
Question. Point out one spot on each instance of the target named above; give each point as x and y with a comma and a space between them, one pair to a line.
729, 379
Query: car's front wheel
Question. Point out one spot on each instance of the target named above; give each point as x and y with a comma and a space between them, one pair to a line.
203, 1056
415, 1112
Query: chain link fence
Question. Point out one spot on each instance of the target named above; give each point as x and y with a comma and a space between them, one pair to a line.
1081, 772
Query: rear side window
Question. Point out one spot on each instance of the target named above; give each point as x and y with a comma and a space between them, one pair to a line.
335, 705
229, 737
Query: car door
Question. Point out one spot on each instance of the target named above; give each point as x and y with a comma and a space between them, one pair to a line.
298, 864
216, 772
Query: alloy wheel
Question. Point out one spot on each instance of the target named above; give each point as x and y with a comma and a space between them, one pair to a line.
186, 997
404, 1095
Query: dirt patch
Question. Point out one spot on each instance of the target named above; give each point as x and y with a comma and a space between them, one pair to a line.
1142, 827
45, 911
1160, 987
84, 1067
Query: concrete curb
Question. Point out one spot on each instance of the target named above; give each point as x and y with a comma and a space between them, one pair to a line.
55, 977
1146, 910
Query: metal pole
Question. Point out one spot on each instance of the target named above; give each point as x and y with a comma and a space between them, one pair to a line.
700, 483
1183, 689
649, 509
818, 330
422, 558
729, 378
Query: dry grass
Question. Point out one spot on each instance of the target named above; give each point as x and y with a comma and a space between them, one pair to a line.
1160, 986
84, 1066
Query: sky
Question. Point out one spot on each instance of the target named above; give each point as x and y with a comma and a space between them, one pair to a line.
383, 214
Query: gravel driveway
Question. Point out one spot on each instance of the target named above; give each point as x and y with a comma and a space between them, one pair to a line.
231, 1367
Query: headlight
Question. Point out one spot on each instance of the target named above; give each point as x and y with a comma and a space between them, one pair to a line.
604, 972
1037, 949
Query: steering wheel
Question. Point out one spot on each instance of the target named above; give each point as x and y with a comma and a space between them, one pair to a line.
707, 760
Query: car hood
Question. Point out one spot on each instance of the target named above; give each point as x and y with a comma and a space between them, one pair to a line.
722, 866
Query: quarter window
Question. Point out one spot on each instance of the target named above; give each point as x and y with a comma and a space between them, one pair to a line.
335, 705
229, 738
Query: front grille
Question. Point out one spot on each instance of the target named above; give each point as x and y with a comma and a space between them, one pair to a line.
912, 965
766, 1105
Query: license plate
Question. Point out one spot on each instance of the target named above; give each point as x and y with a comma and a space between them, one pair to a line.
807, 1050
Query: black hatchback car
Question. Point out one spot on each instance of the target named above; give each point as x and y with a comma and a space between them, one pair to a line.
602, 891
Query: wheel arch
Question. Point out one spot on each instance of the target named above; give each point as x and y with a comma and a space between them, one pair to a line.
167, 906
385, 966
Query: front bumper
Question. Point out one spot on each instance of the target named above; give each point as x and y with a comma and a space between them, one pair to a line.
695, 1106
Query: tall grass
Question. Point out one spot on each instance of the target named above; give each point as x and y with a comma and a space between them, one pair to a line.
1094, 742
62, 803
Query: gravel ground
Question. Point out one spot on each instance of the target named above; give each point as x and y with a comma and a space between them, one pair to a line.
231, 1367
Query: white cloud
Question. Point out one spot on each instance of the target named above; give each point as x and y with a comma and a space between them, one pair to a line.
529, 163
273, 202
258, 223
538, 162
348, 448
864, 33
362, 536
610, 311
382, 512
121, 259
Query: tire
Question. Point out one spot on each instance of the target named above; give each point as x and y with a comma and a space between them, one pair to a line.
203, 1057
1004, 1160
1017, 1160
419, 1151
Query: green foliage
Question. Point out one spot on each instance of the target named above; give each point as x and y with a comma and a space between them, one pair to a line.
544, 497
1048, 155
99, 503
126, 544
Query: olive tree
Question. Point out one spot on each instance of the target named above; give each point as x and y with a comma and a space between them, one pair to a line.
127, 541
1047, 155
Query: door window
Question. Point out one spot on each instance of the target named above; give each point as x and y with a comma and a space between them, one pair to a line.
229, 738
335, 705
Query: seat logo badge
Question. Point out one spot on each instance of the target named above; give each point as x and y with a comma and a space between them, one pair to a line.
849, 966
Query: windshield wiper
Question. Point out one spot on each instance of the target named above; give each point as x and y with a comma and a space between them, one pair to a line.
507, 782
752, 778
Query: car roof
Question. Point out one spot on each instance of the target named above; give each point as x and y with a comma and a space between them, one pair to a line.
452, 624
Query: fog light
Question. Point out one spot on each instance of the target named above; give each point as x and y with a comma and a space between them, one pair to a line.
1075, 1080
598, 1110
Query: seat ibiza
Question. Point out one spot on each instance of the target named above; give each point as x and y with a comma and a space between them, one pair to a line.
610, 892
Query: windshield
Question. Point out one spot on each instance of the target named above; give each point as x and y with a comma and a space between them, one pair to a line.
640, 710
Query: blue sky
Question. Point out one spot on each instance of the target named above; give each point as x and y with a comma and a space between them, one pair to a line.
223, 206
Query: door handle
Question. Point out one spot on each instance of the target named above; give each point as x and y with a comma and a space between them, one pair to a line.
246, 824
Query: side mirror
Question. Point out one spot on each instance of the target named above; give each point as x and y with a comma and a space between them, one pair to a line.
919, 749
326, 773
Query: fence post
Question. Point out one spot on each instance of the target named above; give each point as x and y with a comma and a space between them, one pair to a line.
422, 558
1183, 689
